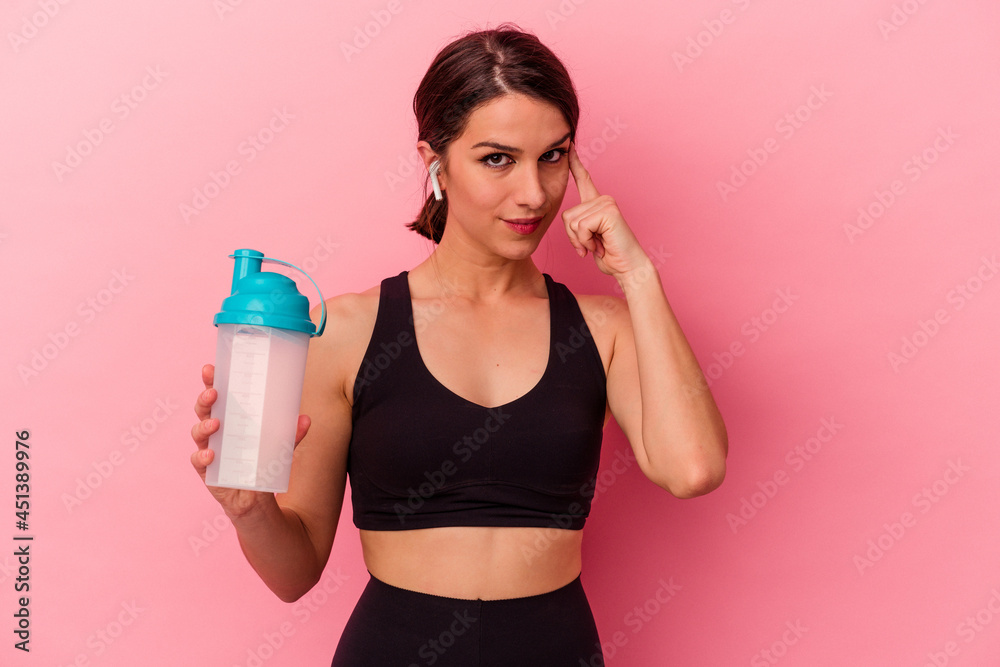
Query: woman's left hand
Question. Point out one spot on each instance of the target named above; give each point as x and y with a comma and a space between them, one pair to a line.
597, 225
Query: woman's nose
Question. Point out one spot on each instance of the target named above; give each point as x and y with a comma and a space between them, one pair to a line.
530, 192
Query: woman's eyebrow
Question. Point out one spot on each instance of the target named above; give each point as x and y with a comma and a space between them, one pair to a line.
512, 149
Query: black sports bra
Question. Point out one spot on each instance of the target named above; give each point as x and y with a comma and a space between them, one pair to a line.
421, 456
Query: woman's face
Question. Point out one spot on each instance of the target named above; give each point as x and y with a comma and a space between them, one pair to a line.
510, 166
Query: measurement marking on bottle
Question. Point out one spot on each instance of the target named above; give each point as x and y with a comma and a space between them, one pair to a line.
245, 405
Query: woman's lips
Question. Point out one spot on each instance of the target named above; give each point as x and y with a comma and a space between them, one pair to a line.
524, 225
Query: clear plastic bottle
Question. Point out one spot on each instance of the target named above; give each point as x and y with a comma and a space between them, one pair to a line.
260, 363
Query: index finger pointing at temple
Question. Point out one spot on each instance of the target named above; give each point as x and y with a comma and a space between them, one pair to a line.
584, 184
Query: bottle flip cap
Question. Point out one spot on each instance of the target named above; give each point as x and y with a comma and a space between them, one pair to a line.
267, 299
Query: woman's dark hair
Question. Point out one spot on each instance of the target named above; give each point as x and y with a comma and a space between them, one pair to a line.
470, 72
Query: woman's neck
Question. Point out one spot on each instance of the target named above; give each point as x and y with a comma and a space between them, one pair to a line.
478, 276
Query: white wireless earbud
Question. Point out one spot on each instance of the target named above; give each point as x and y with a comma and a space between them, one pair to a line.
434, 168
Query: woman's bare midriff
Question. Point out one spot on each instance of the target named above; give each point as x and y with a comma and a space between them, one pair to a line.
474, 562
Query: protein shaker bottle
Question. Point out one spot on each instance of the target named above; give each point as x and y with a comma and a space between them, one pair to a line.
260, 364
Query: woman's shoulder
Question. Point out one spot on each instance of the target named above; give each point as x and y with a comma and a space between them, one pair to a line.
350, 318
353, 308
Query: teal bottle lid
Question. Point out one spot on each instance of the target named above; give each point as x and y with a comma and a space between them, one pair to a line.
267, 299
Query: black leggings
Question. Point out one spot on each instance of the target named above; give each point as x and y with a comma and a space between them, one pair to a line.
395, 627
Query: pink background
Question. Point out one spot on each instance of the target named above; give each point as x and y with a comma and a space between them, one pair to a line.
879, 549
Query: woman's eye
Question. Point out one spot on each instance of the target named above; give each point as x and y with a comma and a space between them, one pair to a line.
501, 160
555, 155
490, 160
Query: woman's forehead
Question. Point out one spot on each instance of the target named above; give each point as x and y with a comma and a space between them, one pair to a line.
517, 121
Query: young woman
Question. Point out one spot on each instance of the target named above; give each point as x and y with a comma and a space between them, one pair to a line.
466, 398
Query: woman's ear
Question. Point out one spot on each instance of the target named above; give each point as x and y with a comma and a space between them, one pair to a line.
427, 154
432, 161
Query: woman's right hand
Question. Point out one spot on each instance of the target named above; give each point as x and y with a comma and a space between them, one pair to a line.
235, 502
